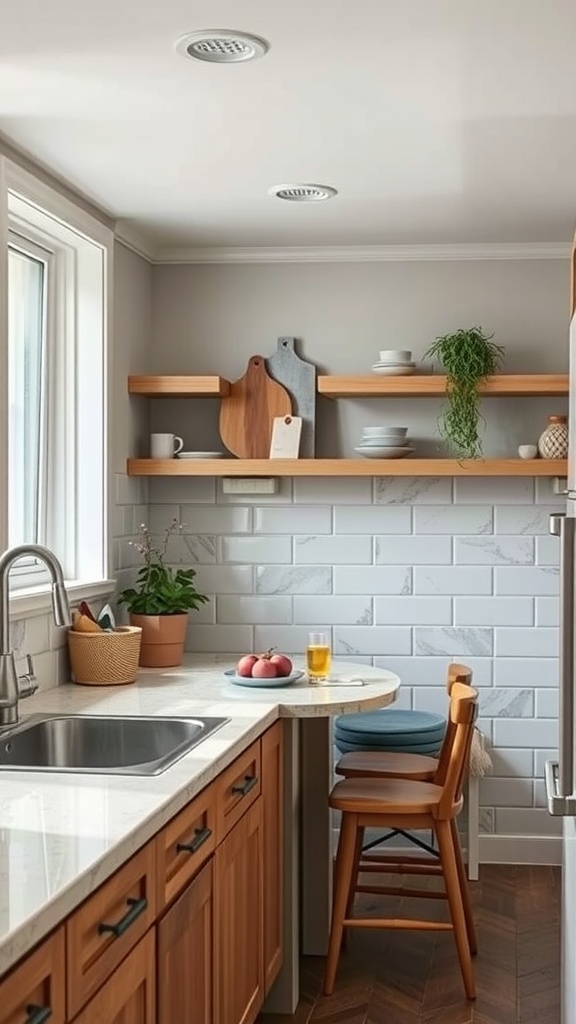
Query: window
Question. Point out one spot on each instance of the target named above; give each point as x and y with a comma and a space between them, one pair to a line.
53, 363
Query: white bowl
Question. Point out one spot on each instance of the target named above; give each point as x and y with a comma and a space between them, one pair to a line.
395, 355
383, 442
373, 452
384, 431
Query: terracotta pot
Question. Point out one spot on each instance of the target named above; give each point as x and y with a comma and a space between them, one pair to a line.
163, 639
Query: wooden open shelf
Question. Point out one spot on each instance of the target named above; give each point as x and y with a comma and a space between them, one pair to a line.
346, 467
505, 384
179, 387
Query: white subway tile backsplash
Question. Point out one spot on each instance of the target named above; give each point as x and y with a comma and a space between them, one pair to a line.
540, 758
477, 490
540, 798
46, 670
254, 610
254, 549
333, 550
506, 703
509, 763
547, 611
547, 703
372, 579
425, 671
526, 580
537, 642
187, 550
413, 490
298, 579
526, 821
372, 519
494, 550
129, 489
160, 518
532, 519
547, 551
493, 611
452, 579
412, 611
332, 491
293, 519
215, 519
452, 642
333, 611
430, 698
220, 639
525, 732
545, 495
413, 550
453, 519
525, 671
182, 490
495, 792
290, 640
30, 635
372, 640
225, 579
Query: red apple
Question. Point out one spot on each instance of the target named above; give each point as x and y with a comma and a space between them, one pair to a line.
283, 664
264, 669
245, 665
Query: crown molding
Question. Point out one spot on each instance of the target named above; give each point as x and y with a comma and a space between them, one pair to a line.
367, 253
132, 239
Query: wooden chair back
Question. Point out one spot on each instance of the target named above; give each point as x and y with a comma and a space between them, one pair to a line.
463, 714
456, 674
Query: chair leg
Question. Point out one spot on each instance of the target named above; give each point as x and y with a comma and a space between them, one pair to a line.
464, 889
353, 881
450, 872
342, 883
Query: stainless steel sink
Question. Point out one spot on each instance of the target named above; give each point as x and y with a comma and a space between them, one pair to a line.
103, 744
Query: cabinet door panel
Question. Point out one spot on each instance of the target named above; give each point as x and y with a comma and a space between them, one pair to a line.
238, 921
37, 982
236, 788
185, 955
184, 845
272, 801
129, 995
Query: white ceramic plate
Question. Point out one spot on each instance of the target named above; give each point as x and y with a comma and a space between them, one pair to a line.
249, 681
389, 362
393, 371
200, 455
384, 442
371, 452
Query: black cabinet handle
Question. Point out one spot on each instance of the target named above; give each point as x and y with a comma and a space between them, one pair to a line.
137, 907
37, 1014
200, 837
248, 784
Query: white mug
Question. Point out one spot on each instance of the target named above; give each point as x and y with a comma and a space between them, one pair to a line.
165, 446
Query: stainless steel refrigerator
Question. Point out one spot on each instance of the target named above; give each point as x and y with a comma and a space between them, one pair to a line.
561, 774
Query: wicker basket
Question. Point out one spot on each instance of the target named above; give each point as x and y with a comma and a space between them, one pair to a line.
105, 659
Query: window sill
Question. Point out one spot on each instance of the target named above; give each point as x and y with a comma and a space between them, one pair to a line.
29, 601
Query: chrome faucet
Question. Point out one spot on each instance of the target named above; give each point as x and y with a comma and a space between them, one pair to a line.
12, 686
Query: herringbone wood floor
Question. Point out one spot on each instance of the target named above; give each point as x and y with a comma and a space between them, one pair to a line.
388, 977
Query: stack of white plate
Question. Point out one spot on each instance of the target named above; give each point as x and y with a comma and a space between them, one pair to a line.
384, 443
394, 362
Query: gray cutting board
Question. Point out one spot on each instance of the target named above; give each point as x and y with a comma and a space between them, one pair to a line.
299, 378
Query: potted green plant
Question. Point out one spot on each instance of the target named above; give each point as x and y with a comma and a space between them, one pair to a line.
467, 357
160, 601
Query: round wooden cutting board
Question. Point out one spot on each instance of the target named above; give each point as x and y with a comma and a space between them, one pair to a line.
247, 413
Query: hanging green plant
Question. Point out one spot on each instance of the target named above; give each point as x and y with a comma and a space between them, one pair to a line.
467, 357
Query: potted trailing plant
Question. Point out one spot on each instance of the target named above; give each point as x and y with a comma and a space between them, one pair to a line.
160, 601
467, 357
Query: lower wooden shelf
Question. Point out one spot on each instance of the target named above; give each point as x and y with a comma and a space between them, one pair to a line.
346, 467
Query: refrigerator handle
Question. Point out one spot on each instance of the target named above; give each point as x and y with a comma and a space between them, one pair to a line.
561, 799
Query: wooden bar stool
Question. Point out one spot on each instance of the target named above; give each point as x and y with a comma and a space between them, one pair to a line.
408, 804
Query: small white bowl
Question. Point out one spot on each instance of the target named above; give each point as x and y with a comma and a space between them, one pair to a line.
528, 451
395, 355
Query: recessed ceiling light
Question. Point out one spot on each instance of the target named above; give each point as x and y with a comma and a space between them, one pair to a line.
303, 193
221, 46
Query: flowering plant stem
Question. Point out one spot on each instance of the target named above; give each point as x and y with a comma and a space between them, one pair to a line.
160, 589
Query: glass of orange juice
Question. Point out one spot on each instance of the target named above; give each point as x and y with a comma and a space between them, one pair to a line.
318, 656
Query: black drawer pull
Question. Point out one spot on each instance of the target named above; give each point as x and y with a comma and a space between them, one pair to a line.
248, 784
137, 907
200, 837
37, 1014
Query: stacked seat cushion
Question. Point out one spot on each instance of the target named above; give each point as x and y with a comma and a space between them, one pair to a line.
414, 732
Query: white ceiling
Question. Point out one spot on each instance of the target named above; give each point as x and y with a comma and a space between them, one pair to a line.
438, 121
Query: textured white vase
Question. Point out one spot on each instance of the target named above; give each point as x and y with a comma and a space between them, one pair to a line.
553, 442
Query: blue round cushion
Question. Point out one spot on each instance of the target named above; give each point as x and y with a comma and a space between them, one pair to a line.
429, 749
390, 742
391, 722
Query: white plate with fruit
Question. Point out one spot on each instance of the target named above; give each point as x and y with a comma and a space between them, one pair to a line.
269, 669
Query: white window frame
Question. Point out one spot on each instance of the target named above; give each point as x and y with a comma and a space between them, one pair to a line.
82, 247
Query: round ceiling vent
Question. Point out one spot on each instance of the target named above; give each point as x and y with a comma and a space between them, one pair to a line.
222, 46
303, 193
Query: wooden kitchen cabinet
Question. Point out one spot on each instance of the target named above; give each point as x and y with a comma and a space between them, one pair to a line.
129, 995
185, 955
238, 925
272, 804
36, 985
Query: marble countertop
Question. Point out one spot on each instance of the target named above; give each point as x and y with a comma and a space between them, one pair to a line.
62, 834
